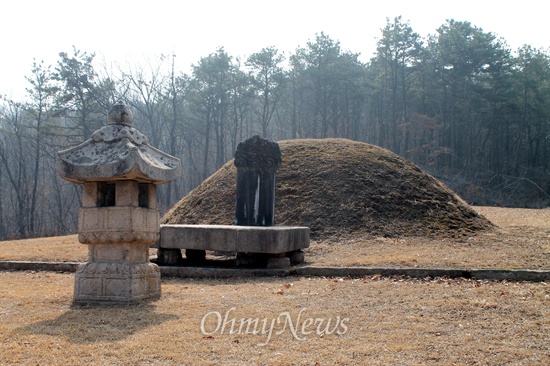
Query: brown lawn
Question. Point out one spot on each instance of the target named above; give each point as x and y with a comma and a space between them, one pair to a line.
521, 240
373, 320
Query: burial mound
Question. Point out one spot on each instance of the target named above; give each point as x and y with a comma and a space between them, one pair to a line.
339, 186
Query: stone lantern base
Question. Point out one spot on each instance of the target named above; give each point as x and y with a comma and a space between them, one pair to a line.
116, 283
118, 270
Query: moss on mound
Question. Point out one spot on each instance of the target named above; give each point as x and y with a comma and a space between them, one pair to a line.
338, 186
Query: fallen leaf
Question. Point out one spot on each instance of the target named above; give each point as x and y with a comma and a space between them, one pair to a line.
376, 277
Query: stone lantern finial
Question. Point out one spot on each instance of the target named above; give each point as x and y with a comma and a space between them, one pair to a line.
120, 114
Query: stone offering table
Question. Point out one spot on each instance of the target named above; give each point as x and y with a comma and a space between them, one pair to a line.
254, 237
282, 244
119, 218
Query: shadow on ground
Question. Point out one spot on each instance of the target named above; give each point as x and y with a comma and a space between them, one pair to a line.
99, 324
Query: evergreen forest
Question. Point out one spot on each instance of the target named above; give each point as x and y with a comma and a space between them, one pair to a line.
459, 103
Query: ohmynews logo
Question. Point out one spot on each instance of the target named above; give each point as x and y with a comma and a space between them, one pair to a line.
300, 327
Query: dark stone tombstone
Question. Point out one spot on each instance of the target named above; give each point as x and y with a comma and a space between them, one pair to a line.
254, 239
257, 160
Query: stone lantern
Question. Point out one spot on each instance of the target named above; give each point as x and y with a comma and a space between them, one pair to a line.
119, 218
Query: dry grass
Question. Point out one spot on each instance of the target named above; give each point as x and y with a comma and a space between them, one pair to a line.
336, 186
51, 249
391, 321
388, 321
522, 240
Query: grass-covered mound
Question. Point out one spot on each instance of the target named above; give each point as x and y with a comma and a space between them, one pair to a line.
335, 186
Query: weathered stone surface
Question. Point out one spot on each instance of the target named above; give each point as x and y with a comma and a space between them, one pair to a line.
251, 260
108, 282
100, 161
118, 224
296, 257
117, 151
258, 153
204, 272
120, 114
248, 239
119, 218
119, 252
255, 202
278, 262
256, 160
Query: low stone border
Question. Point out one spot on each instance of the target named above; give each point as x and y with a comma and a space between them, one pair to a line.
38, 266
480, 274
210, 272
313, 271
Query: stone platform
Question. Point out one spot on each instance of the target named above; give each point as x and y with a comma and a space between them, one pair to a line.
281, 245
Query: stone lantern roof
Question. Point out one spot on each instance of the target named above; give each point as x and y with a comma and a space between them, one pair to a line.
117, 151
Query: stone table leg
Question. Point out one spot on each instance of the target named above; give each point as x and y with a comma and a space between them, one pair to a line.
169, 257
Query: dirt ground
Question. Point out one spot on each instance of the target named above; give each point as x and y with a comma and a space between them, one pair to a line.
520, 240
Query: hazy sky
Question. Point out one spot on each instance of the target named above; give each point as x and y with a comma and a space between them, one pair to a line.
130, 31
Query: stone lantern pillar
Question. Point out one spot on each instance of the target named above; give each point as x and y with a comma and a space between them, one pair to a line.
119, 218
